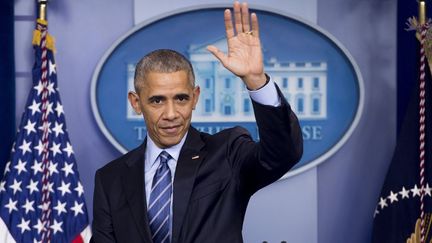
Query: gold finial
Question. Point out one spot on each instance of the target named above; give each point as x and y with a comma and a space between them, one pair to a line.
42, 9
422, 12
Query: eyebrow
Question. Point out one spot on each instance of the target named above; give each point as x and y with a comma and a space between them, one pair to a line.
163, 98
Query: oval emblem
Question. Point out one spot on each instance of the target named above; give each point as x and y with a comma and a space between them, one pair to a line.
316, 74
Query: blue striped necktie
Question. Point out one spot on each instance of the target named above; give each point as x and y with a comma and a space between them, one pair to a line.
160, 201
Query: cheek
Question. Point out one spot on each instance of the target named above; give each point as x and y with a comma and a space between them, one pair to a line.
151, 118
186, 112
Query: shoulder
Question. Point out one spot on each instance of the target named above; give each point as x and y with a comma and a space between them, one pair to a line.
226, 135
116, 166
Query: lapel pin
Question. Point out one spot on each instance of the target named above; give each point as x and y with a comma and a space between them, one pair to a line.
195, 157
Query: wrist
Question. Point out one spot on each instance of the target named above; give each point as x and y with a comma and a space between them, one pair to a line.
255, 82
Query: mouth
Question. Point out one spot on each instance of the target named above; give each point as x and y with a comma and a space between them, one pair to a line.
171, 130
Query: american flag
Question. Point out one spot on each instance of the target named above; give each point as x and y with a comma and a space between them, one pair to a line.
41, 196
404, 209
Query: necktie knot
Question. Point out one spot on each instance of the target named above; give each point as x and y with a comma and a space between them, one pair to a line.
164, 157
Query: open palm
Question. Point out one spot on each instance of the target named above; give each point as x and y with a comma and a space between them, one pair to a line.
244, 57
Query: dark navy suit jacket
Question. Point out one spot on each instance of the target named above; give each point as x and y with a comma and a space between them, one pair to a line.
215, 177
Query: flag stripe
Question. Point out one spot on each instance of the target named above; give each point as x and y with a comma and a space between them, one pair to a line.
5, 236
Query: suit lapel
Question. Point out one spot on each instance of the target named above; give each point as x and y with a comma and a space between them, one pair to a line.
189, 160
133, 183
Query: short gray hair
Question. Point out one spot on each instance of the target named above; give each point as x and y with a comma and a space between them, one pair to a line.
163, 61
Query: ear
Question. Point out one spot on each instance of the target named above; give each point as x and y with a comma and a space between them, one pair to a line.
134, 101
196, 94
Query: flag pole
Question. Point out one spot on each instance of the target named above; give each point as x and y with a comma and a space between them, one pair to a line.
422, 12
422, 110
46, 196
42, 9
423, 21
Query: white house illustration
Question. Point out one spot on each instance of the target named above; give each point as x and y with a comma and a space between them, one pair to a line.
224, 97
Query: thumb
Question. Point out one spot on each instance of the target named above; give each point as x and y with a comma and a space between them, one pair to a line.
218, 54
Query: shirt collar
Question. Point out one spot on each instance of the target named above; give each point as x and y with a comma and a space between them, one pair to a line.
152, 151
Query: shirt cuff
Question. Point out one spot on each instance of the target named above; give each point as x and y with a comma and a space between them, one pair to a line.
266, 95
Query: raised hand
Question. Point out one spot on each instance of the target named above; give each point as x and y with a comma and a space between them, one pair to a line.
244, 57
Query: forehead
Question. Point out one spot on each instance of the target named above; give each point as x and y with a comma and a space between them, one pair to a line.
166, 82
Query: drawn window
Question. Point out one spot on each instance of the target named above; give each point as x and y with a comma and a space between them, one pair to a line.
207, 105
227, 110
300, 83
316, 83
285, 82
316, 105
208, 83
300, 104
227, 83
246, 105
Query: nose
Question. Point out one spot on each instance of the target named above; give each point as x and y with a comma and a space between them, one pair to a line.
170, 111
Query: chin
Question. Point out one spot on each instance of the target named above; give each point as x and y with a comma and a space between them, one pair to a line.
171, 142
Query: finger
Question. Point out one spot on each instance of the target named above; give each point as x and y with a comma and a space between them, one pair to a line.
218, 54
228, 24
255, 26
245, 17
237, 18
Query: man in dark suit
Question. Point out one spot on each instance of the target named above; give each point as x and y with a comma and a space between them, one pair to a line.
186, 186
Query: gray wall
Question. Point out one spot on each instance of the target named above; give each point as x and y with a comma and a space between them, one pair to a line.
350, 182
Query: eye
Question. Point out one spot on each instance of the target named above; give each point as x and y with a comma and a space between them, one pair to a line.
182, 98
157, 101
